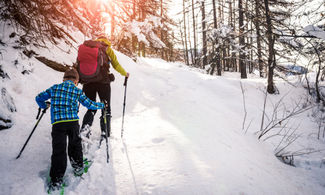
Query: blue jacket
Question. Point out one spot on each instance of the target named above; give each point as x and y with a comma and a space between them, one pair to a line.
64, 101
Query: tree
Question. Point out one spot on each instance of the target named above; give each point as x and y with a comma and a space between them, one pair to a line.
271, 57
204, 36
242, 56
217, 60
41, 20
185, 35
194, 33
215, 56
258, 37
53, 20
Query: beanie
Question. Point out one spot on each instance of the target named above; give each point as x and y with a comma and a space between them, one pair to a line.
71, 73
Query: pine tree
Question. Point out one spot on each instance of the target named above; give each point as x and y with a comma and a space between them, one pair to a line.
204, 36
242, 56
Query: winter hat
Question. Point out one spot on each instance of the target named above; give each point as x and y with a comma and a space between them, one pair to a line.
71, 73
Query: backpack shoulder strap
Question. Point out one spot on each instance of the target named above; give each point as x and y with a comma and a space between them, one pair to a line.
104, 48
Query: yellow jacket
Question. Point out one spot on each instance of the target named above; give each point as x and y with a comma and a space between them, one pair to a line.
116, 65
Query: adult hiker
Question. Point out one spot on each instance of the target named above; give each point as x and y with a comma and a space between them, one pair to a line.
64, 118
93, 63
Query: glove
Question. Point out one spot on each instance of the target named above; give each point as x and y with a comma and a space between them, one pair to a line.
105, 104
48, 104
111, 77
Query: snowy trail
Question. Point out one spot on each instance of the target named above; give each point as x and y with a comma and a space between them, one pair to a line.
171, 145
182, 136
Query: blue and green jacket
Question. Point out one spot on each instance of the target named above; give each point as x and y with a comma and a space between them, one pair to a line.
64, 102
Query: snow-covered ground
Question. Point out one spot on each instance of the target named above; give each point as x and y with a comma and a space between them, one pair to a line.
182, 135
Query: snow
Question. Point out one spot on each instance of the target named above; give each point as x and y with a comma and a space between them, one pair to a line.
182, 134
144, 31
315, 31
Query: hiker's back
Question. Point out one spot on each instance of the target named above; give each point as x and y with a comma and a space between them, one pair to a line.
92, 62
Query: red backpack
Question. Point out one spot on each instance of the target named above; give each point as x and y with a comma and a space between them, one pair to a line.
92, 62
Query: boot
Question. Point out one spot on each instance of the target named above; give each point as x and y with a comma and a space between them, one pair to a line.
55, 185
77, 167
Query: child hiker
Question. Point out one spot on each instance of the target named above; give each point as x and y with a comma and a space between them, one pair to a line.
64, 118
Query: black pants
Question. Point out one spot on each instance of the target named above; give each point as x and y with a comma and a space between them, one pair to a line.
60, 131
104, 93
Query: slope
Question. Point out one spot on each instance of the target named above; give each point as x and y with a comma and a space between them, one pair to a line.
183, 135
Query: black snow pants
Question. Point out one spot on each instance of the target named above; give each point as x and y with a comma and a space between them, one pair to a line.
60, 131
104, 93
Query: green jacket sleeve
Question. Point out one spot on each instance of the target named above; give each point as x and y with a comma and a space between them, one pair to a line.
116, 65
109, 51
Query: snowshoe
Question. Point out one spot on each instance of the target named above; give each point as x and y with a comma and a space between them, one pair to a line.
79, 171
56, 187
87, 164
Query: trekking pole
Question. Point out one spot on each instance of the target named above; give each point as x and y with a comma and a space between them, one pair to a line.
106, 132
125, 84
39, 119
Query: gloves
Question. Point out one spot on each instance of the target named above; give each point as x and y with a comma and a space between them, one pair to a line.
48, 104
111, 77
105, 104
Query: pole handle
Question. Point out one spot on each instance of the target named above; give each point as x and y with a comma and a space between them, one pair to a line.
48, 104
125, 81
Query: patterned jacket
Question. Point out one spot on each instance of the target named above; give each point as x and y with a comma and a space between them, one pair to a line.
64, 102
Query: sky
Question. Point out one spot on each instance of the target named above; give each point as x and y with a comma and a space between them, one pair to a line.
175, 7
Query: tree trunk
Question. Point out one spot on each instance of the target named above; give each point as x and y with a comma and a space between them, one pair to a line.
242, 56
194, 33
216, 50
185, 44
249, 39
258, 37
234, 54
205, 60
134, 38
163, 55
318, 95
271, 59
142, 48
221, 45
231, 47
214, 14
189, 38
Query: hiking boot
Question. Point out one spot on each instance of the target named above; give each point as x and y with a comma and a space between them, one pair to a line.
85, 133
55, 185
78, 171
